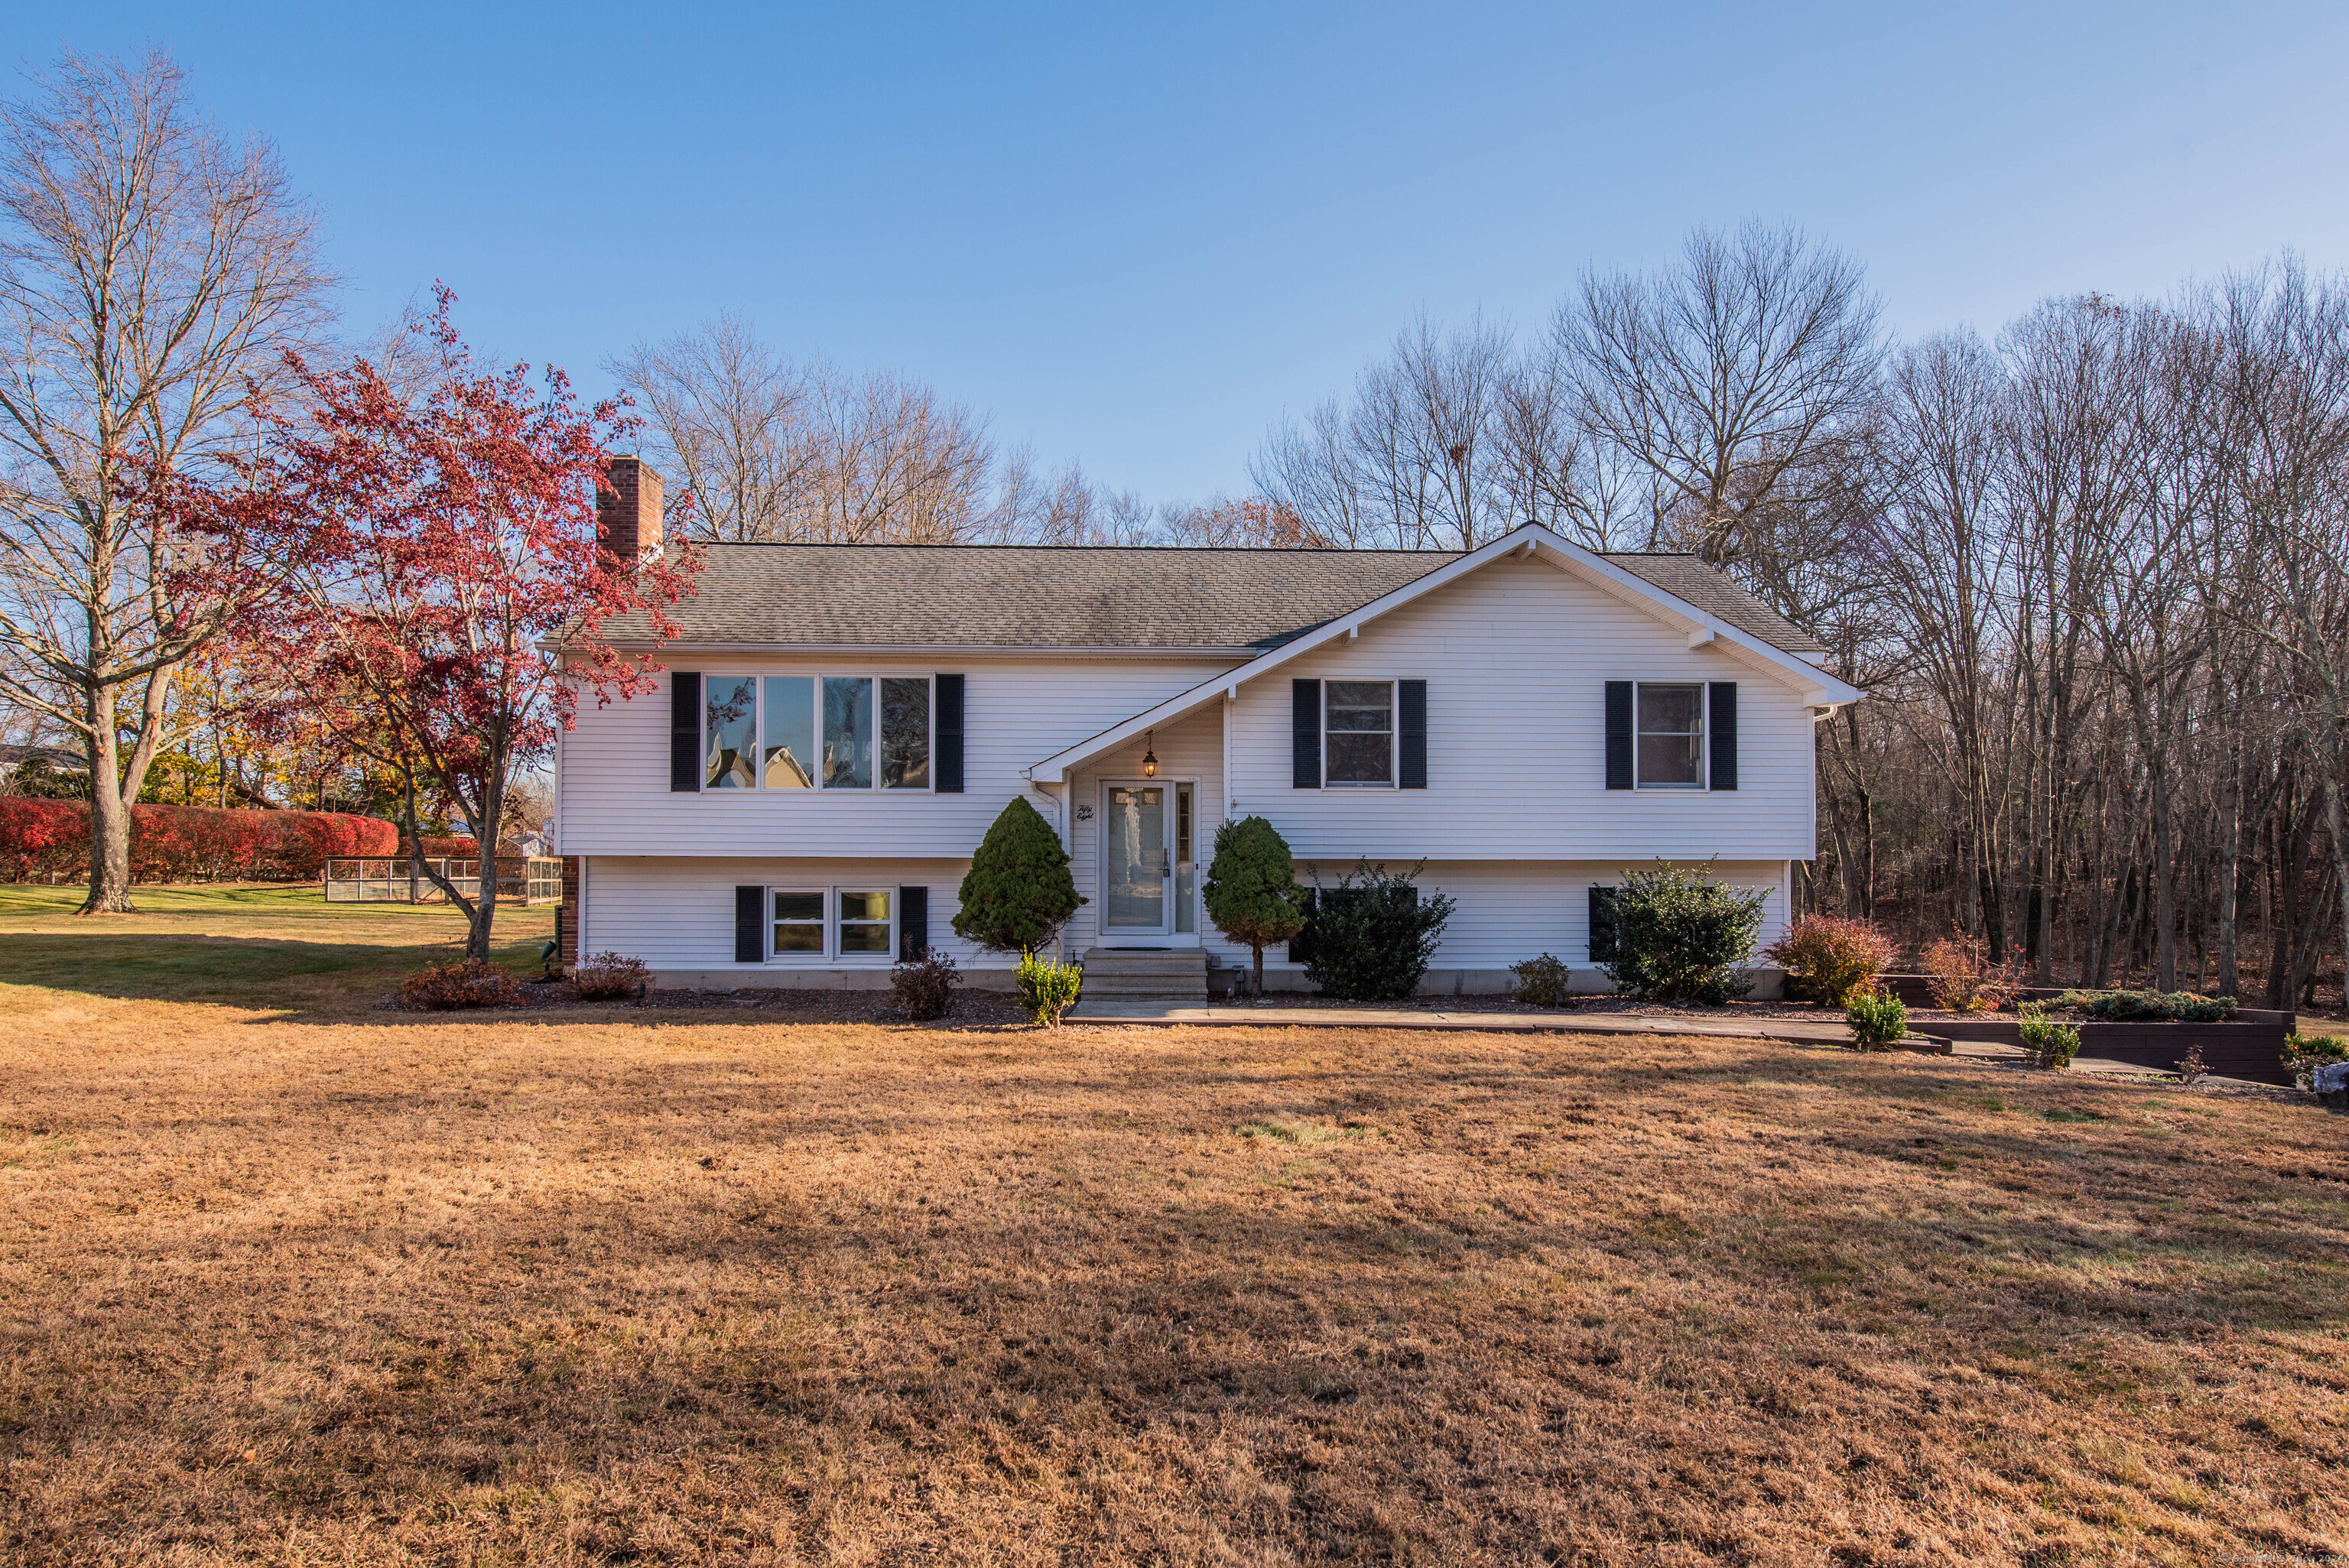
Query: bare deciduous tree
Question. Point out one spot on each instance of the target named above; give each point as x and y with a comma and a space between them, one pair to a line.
153, 273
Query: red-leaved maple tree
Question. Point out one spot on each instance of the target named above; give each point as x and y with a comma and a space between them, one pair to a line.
450, 621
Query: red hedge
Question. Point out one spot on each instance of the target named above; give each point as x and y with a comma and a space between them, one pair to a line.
41, 840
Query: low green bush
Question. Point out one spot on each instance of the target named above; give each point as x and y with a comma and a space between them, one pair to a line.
1877, 1018
1374, 933
1542, 981
1678, 935
2315, 1050
2146, 1006
2052, 1043
1048, 989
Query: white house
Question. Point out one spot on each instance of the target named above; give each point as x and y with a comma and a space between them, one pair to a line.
837, 726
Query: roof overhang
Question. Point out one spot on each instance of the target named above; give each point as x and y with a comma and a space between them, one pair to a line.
1814, 686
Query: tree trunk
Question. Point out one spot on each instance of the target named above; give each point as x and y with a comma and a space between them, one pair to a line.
1258, 948
109, 819
2165, 883
2230, 866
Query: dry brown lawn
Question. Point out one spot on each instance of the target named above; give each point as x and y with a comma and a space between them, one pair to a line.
299, 1282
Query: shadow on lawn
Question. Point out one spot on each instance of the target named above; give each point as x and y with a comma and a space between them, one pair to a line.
234, 970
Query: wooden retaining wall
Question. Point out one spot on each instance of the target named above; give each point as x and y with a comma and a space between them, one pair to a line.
2250, 1046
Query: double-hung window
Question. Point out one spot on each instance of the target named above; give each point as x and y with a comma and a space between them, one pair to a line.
1671, 736
1358, 733
816, 732
832, 923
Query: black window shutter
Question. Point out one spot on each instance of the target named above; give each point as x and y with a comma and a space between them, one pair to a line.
1411, 731
1300, 946
1602, 926
1306, 748
1618, 735
684, 731
945, 767
913, 923
749, 914
1724, 724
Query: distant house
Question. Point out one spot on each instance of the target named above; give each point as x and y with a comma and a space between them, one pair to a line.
838, 725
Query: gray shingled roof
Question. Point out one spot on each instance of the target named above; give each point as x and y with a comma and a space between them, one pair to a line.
1012, 596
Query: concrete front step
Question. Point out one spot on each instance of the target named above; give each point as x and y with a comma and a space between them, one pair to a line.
1180, 973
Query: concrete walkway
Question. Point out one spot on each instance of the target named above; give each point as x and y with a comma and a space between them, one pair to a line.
1137, 1010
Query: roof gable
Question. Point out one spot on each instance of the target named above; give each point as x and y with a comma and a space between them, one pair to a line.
1606, 571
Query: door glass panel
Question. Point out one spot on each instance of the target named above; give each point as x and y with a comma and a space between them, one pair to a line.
729, 729
847, 732
790, 744
1186, 875
1134, 843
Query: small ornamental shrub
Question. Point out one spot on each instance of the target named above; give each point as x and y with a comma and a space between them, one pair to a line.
1679, 935
2314, 1050
2147, 1007
609, 974
1251, 891
1877, 1018
1048, 989
1961, 978
1373, 934
1542, 981
1833, 956
1019, 891
2191, 1068
925, 986
467, 982
2054, 1044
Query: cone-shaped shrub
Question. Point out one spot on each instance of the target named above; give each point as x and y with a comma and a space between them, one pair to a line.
1252, 892
1019, 892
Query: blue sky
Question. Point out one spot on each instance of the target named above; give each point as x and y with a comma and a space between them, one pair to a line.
1136, 236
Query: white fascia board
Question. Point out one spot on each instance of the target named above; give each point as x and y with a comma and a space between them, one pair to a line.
1814, 686
926, 650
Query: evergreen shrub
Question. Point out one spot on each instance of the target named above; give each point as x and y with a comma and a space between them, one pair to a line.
1542, 981
1019, 891
1372, 934
1048, 989
1679, 935
1877, 1018
2147, 1007
2054, 1044
1251, 892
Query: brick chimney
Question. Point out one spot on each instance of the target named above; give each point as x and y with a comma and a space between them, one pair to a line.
628, 515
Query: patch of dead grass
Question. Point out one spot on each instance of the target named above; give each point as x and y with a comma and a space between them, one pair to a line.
672, 1288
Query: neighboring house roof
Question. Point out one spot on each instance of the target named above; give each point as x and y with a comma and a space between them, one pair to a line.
55, 757
1146, 599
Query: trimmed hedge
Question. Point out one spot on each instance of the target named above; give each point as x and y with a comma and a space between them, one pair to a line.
41, 841
2149, 1006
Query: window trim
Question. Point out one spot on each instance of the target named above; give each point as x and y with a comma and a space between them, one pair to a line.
1703, 781
1394, 733
759, 733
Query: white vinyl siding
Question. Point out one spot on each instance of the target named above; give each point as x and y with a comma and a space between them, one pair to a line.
1516, 658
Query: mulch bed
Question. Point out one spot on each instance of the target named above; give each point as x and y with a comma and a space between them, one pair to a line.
785, 1006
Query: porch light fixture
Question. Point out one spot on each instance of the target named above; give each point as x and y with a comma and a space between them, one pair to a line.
1150, 756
